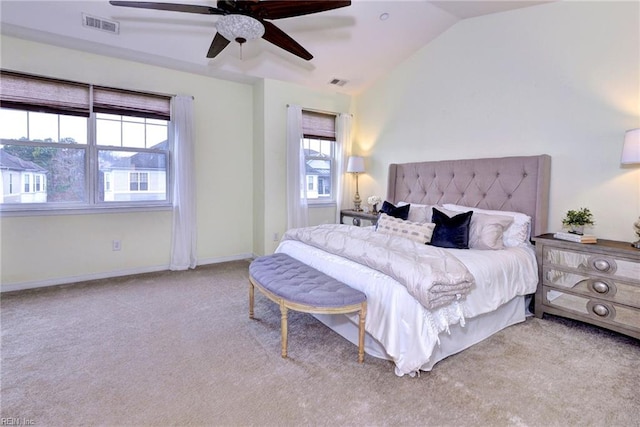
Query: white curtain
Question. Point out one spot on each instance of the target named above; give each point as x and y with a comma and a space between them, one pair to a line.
297, 207
183, 239
343, 149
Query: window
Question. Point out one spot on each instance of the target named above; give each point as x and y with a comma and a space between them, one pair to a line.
76, 145
139, 181
319, 150
107, 182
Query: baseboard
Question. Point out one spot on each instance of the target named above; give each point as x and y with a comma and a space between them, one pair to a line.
218, 260
10, 287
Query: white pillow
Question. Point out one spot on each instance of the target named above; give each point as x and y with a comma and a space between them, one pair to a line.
516, 234
487, 231
418, 213
417, 232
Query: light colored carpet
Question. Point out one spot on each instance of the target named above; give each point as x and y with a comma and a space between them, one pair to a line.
178, 348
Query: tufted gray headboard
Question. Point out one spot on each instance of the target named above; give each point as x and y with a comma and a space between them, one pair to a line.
519, 184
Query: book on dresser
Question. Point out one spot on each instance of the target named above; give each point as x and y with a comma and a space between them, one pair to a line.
578, 238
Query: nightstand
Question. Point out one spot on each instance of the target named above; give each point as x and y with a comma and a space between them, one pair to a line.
358, 216
594, 283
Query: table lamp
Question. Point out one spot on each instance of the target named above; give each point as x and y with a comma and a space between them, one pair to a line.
355, 165
631, 156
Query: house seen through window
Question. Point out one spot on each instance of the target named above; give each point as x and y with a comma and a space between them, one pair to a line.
66, 144
319, 150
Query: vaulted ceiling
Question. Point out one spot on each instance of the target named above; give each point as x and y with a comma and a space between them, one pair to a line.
355, 45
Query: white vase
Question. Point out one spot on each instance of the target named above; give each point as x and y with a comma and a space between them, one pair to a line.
577, 229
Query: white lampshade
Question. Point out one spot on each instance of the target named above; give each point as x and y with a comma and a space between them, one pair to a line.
239, 28
631, 148
355, 164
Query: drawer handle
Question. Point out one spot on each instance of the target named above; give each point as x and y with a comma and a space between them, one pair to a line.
601, 265
600, 310
600, 287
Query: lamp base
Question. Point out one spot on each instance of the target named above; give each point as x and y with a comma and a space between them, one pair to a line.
357, 202
636, 228
356, 198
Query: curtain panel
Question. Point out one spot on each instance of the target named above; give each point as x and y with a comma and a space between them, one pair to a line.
343, 149
183, 239
297, 206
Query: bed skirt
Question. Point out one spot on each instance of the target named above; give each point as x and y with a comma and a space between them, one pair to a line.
475, 330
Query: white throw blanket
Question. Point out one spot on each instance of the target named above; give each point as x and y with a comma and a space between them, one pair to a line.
431, 275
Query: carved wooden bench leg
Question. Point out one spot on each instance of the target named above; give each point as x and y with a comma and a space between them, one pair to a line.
362, 316
283, 327
251, 299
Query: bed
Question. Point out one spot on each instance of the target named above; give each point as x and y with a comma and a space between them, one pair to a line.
402, 326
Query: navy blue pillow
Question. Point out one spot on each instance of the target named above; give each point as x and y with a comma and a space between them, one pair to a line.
401, 212
451, 232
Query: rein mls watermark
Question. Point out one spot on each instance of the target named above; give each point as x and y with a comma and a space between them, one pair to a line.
11, 421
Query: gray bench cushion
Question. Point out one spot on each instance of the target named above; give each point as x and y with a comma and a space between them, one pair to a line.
296, 282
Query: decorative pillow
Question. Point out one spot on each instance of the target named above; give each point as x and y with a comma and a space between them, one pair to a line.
417, 232
401, 212
418, 213
518, 233
487, 231
451, 232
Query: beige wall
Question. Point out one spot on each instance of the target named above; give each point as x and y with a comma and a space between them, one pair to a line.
38, 250
561, 79
271, 144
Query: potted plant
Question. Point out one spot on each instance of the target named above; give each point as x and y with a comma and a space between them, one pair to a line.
576, 220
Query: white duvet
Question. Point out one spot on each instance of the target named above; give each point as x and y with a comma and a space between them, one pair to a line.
431, 275
408, 331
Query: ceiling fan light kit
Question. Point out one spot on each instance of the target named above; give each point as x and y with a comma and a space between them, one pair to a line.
239, 28
242, 20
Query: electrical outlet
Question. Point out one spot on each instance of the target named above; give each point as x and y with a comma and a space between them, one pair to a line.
276, 238
116, 245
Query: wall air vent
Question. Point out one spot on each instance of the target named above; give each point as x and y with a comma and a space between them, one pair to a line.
100, 24
338, 82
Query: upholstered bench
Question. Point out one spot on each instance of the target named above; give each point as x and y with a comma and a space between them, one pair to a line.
296, 286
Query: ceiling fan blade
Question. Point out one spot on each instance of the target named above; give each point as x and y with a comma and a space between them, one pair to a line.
217, 45
278, 9
173, 7
275, 35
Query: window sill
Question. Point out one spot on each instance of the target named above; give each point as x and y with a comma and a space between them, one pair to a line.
85, 210
321, 205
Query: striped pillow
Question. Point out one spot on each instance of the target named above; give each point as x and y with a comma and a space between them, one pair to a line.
418, 232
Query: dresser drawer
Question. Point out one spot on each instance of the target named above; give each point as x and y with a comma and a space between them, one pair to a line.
592, 263
593, 286
593, 309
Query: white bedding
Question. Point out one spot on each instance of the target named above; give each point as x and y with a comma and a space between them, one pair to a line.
409, 332
432, 275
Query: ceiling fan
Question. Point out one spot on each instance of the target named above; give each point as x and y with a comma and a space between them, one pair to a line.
243, 20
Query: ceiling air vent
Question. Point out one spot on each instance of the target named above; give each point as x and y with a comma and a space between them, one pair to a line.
100, 24
338, 82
